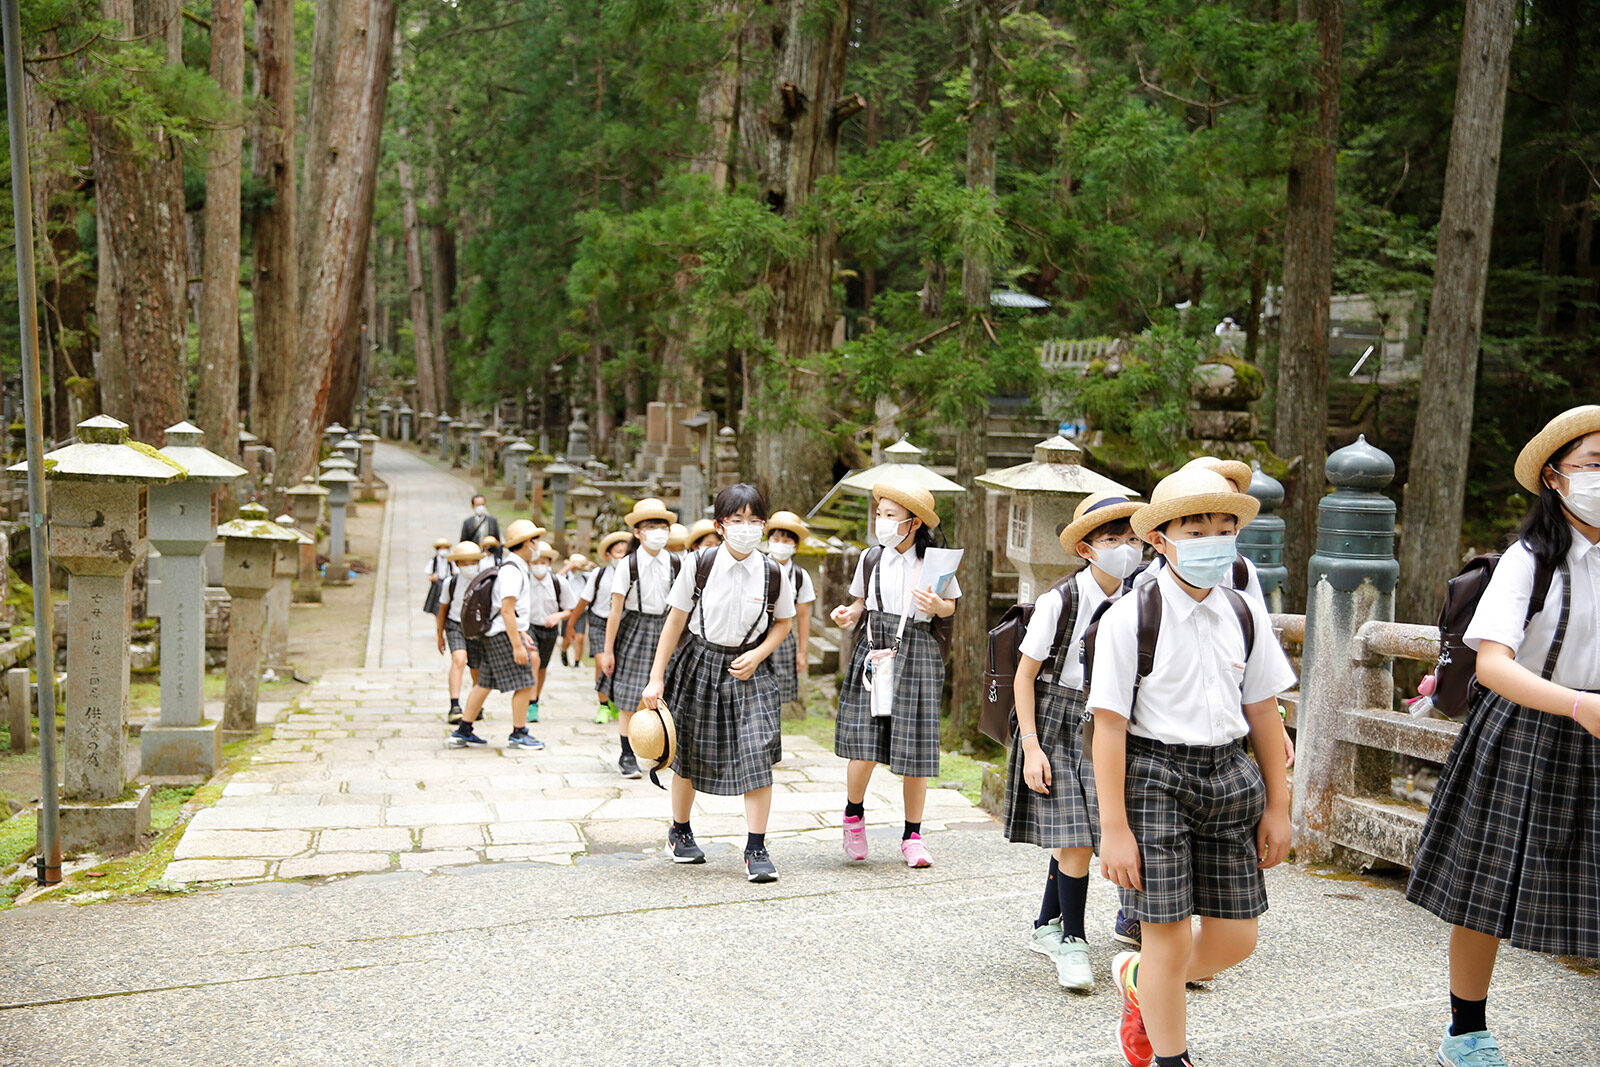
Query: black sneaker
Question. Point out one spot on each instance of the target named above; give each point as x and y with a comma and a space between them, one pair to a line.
453, 716
684, 850
564, 662
523, 739
629, 766
758, 866
463, 736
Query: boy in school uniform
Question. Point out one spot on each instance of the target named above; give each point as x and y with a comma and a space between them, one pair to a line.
551, 604
575, 572
438, 570
465, 655
510, 655
785, 532
1187, 820
594, 607
719, 685
639, 590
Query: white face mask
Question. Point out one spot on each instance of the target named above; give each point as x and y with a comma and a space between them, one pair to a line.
540, 570
781, 551
1204, 561
468, 570
481, 510
442, 553
654, 540
1119, 562
742, 537
1583, 496
888, 531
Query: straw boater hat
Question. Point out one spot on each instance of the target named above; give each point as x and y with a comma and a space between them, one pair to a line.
612, 538
677, 537
654, 738
1193, 491
700, 529
441, 542
1236, 472
519, 531
913, 498
580, 561
1093, 512
465, 552
545, 550
647, 509
788, 520
489, 541
1568, 426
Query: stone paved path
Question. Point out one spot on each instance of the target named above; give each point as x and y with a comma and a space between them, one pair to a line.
505, 907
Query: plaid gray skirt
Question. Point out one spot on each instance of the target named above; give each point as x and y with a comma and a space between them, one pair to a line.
1194, 810
500, 670
1065, 817
908, 739
728, 732
456, 641
784, 669
597, 643
637, 635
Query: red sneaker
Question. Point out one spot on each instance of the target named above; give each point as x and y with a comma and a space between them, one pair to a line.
1135, 1044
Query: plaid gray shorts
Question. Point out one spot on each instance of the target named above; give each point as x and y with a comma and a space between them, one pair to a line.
456, 641
1194, 810
500, 670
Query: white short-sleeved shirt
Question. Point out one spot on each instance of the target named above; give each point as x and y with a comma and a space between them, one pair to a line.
655, 582
439, 567
800, 581
463, 578
546, 596
734, 599
514, 581
1041, 633
1504, 605
1201, 677
1251, 589
890, 581
597, 590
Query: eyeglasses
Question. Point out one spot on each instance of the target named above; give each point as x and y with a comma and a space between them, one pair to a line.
1113, 542
1575, 467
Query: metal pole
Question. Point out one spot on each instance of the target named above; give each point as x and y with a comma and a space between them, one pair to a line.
48, 860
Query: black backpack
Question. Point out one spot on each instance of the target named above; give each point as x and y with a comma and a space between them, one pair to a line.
477, 604
997, 719
676, 565
1455, 676
705, 559
943, 629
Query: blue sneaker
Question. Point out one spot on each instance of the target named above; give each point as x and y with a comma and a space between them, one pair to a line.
463, 736
523, 739
1476, 1049
533, 711
1126, 930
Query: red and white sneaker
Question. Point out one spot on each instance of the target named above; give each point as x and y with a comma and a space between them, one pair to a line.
1132, 1039
915, 852
855, 837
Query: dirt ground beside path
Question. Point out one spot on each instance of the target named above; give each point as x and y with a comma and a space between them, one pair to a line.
333, 634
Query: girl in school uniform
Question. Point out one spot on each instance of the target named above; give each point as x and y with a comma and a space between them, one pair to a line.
639, 592
575, 572
1511, 848
551, 603
703, 534
719, 684
907, 739
438, 571
594, 607
1050, 784
785, 531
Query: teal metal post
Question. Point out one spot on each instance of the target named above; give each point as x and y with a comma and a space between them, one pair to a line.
1262, 541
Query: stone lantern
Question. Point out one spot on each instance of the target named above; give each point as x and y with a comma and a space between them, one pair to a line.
339, 483
332, 434
246, 439
474, 442
305, 502
577, 437
727, 457
1043, 495
538, 471
404, 418
350, 449
386, 420
425, 421
285, 566
488, 443
517, 453
182, 524
560, 474
249, 545
445, 422
97, 532
369, 476
1262, 541
586, 501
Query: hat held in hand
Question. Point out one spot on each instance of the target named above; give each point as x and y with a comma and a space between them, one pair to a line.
654, 738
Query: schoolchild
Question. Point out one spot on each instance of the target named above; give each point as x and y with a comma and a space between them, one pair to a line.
575, 572
678, 539
552, 603
703, 534
438, 571
1187, 820
465, 655
719, 684
638, 611
492, 548
899, 611
594, 606
785, 533
510, 655
1511, 847
1050, 781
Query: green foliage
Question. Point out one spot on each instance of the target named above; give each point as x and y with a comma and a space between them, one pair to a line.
1144, 396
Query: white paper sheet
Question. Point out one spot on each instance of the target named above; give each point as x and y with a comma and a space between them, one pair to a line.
938, 567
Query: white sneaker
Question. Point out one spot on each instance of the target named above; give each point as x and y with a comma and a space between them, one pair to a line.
1046, 939
1072, 965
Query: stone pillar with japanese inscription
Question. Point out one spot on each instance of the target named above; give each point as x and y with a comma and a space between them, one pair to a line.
248, 565
285, 566
97, 533
183, 744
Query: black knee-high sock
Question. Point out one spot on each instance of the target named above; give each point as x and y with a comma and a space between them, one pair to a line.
754, 841
1074, 893
627, 747
1467, 1016
1050, 907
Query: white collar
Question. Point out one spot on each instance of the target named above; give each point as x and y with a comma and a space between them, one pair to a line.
749, 563
1581, 545
1178, 599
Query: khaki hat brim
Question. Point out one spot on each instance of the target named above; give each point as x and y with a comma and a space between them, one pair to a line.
1568, 426
800, 532
610, 539
919, 508
1093, 520
657, 725
1240, 505
635, 517
475, 558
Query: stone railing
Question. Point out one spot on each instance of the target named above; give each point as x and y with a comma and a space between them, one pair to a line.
1076, 355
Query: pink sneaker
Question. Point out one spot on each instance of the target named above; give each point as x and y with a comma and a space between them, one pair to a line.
915, 852
855, 837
